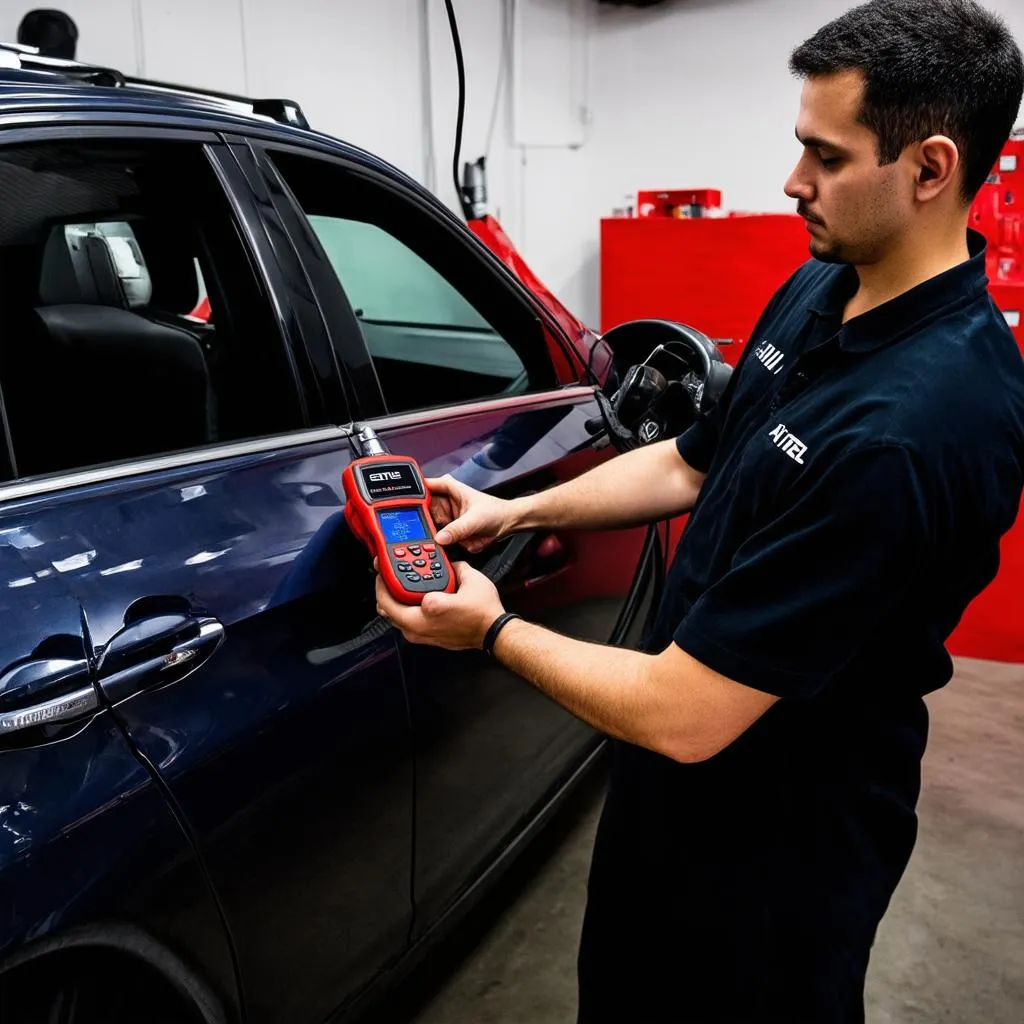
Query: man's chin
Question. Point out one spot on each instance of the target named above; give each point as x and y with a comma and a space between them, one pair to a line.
826, 253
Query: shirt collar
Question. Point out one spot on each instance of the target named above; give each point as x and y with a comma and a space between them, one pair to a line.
896, 318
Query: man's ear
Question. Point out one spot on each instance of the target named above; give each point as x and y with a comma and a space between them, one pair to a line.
938, 163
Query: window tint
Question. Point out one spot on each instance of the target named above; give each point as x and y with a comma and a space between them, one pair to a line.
439, 327
131, 321
388, 282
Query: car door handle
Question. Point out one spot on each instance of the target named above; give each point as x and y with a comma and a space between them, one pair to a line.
45, 691
500, 564
553, 559
549, 552
156, 651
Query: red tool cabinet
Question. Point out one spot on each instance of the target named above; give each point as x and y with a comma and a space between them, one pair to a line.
714, 273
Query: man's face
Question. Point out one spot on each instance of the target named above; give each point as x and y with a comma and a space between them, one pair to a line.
854, 208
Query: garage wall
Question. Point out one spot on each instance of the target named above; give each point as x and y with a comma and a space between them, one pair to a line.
606, 100
354, 66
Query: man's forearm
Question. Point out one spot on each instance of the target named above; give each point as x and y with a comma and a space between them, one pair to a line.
604, 686
639, 487
669, 703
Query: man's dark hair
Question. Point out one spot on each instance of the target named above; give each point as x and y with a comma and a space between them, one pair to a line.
931, 67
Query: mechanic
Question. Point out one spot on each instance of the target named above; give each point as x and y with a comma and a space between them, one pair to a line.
848, 495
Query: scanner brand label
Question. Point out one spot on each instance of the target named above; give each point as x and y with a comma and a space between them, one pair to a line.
379, 483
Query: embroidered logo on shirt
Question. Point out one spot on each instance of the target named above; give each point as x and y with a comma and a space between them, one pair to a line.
770, 356
791, 445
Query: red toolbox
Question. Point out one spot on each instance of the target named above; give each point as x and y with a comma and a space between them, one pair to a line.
1009, 297
716, 273
998, 213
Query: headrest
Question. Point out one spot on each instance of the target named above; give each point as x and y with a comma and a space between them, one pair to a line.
79, 269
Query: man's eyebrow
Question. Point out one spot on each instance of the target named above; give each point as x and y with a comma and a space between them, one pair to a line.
818, 143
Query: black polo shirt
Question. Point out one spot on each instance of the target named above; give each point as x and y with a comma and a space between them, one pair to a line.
859, 477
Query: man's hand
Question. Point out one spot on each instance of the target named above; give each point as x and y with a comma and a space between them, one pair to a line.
466, 516
456, 621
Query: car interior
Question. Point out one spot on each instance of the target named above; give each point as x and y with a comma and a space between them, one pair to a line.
102, 262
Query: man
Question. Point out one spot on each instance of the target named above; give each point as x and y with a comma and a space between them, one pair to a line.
847, 502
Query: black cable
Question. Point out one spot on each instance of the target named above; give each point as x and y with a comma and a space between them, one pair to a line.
460, 65
410, 720
636, 588
660, 574
588, 372
192, 839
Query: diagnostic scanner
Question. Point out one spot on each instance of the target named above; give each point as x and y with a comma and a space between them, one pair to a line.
388, 508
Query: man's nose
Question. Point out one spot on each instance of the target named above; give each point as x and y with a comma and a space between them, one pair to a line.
798, 186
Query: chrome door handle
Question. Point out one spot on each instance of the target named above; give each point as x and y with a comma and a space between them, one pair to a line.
143, 661
30, 693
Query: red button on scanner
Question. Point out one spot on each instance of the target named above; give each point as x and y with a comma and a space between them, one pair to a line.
399, 552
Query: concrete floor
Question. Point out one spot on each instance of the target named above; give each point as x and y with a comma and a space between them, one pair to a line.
951, 948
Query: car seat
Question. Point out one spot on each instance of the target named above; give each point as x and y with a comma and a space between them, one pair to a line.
92, 382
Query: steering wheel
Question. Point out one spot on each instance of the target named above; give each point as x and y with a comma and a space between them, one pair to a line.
665, 375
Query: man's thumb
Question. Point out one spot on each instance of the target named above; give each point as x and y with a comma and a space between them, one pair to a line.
434, 603
453, 532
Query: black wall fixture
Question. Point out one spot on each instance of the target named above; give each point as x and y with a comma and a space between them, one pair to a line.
54, 33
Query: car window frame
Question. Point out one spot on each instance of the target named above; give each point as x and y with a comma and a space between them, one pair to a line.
351, 344
214, 147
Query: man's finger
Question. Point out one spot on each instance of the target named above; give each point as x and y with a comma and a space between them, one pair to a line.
443, 485
405, 617
385, 602
453, 532
462, 570
434, 603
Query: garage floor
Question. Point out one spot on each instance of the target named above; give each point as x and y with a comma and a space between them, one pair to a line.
951, 948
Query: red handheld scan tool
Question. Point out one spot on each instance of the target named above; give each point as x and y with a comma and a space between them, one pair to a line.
388, 508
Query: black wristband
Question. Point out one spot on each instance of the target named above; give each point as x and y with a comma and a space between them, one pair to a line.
496, 627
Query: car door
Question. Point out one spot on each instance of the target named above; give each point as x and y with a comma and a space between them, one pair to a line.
96, 874
471, 382
205, 542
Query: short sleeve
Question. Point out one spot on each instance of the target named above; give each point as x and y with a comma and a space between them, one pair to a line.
805, 590
699, 442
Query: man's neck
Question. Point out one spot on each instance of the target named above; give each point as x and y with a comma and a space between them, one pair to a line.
918, 260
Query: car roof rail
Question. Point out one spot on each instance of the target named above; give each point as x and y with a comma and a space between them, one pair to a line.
28, 58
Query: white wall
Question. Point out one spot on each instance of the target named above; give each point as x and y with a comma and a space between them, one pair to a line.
695, 93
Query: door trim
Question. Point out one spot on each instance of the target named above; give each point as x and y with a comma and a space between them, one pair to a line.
181, 460
513, 403
102, 474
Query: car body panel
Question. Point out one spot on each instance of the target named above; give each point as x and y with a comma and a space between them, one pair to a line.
86, 837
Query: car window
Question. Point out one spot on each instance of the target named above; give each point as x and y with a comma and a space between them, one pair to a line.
387, 282
131, 321
426, 311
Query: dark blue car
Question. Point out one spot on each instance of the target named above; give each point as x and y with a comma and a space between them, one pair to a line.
226, 793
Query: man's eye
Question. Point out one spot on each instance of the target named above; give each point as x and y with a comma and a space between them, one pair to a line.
829, 161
